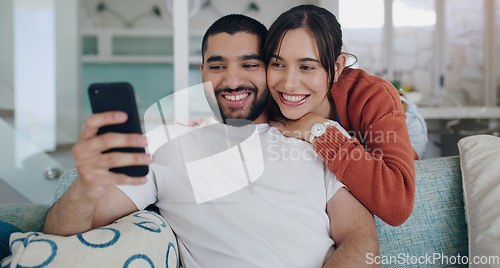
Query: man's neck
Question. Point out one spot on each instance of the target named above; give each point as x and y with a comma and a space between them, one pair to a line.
263, 118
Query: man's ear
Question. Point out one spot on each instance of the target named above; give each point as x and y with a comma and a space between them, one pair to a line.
339, 65
201, 67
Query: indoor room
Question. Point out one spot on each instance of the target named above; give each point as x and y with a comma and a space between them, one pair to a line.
443, 56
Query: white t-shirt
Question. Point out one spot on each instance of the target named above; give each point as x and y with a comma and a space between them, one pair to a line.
259, 202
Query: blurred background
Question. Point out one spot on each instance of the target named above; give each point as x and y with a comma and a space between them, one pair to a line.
445, 54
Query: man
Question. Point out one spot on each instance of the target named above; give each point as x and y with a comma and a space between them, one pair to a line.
284, 217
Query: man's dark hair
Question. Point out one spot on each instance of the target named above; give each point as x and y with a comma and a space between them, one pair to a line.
232, 24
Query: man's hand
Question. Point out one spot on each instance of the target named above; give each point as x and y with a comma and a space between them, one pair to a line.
93, 166
93, 200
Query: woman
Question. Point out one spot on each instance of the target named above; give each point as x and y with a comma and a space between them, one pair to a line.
310, 85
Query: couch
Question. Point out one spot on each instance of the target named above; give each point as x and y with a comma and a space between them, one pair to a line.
436, 226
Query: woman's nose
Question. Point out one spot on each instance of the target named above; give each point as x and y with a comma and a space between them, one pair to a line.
290, 79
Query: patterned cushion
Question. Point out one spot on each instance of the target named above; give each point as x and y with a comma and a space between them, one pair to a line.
142, 239
437, 224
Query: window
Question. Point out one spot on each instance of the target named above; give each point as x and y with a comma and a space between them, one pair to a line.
437, 47
413, 44
362, 31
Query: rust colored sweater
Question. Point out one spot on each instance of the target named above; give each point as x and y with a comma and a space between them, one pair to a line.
377, 164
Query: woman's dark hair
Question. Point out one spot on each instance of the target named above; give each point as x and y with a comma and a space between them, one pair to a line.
321, 22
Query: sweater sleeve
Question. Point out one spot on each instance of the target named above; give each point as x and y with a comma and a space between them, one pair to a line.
382, 176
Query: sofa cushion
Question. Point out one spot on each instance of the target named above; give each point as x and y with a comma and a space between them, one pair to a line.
141, 239
25, 216
6, 229
480, 162
67, 178
436, 228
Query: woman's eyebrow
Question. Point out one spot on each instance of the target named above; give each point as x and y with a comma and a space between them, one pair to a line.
300, 60
308, 59
276, 56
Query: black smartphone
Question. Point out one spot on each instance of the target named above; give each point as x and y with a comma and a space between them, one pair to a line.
120, 96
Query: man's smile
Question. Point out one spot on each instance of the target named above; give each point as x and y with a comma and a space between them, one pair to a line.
237, 98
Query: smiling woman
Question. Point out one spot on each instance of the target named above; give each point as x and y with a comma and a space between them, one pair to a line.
296, 77
312, 88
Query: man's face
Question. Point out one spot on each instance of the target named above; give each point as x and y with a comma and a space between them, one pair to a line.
234, 66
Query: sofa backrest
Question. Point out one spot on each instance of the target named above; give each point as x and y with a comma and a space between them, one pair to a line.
437, 224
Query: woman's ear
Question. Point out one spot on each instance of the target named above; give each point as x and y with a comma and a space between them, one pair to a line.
339, 66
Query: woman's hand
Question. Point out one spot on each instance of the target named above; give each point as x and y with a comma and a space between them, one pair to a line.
300, 128
192, 123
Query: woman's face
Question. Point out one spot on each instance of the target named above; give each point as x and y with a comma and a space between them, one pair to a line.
295, 77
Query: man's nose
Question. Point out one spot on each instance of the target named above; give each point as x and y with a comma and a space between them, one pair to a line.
233, 78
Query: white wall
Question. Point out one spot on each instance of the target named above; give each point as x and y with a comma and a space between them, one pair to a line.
68, 71
269, 10
6, 55
67, 65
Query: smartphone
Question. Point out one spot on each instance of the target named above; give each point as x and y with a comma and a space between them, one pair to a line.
120, 96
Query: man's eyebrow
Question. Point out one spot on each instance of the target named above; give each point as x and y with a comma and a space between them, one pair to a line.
215, 58
251, 57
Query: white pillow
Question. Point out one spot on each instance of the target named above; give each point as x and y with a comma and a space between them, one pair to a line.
480, 164
141, 239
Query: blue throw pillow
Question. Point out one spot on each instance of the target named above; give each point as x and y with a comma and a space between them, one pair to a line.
5, 230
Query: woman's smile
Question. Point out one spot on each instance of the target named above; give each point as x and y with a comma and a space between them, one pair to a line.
293, 99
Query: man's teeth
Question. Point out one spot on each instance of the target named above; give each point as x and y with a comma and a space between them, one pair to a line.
236, 97
293, 98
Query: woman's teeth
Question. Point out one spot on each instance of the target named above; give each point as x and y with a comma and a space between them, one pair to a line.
236, 97
291, 98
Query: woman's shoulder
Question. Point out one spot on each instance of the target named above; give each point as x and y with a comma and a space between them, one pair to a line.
368, 93
357, 83
360, 77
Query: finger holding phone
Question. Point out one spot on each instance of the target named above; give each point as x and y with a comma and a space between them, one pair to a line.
111, 148
111, 151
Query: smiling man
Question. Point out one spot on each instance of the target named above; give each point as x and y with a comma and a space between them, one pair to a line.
294, 214
234, 65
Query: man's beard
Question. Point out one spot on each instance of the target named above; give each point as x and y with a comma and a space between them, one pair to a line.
257, 107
